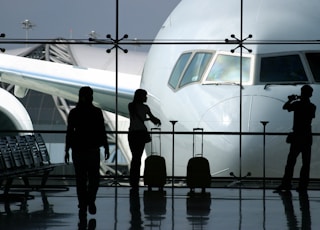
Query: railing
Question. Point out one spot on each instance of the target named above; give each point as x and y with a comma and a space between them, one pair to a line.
56, 150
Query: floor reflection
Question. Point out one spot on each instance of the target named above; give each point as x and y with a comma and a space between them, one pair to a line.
292, 220
155, 208
23, 218
22, 200
198, 209
119, 209
85, 225
135, 210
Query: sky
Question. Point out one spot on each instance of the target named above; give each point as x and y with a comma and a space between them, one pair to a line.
75, 19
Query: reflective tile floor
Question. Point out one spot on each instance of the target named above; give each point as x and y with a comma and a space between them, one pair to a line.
219, 208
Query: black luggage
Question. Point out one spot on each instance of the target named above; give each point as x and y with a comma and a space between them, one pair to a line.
198, 168
155, 172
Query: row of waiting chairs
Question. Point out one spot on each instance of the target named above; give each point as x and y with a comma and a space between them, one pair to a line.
21, 157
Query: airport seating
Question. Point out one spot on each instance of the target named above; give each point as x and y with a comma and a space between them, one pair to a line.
21, 157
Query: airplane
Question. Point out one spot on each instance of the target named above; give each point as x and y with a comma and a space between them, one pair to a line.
193, 75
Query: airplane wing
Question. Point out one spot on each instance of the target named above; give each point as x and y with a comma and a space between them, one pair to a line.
65, 80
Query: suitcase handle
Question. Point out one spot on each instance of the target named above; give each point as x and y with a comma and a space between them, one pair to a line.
153, 132
195, 132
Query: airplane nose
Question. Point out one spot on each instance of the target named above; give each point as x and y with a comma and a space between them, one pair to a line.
225, 117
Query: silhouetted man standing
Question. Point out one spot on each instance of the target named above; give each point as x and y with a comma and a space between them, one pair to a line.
301, 141
85, 135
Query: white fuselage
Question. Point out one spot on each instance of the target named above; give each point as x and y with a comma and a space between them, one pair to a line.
216, 107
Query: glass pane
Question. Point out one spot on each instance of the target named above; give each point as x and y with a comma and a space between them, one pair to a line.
282, 69
226, 68
314, 63
196, 68
178, 69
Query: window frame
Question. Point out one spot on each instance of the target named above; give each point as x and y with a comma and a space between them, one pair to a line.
309, 68
193, 53
303, 60
251, 69
182, 77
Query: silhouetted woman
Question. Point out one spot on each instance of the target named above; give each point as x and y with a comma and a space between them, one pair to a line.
138, 136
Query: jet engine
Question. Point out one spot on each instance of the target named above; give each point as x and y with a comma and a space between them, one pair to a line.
13, 115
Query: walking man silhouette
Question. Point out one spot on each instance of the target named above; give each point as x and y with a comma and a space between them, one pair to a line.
85, 135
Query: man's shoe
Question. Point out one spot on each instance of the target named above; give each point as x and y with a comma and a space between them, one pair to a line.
92, 208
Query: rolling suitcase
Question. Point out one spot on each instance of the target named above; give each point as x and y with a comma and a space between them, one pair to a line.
155, 172
198, 168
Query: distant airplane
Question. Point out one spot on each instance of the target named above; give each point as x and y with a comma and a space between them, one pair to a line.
198, 83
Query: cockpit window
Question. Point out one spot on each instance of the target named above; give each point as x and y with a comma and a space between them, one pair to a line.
314, 63
282, 69
226, 68
196, 68
178, 69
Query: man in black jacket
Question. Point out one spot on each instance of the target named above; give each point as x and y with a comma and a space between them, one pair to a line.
85, 135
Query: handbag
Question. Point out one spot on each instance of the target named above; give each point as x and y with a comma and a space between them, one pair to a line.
146, 137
